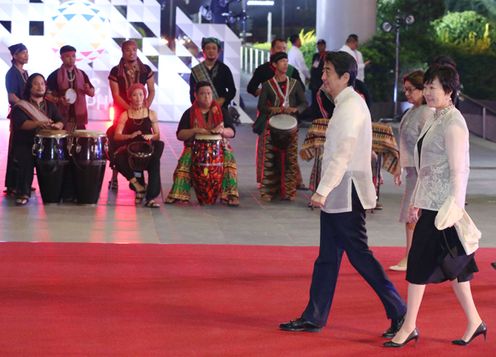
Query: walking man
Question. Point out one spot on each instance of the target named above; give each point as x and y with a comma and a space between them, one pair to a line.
344, 193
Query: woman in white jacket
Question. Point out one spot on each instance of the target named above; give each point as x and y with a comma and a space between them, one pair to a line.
442, 161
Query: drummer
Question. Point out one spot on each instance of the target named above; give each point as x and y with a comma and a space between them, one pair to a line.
205, 117
27, 116
279, 95
68, 87
139, 123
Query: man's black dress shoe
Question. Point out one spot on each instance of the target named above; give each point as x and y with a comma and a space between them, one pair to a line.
395, 327
300, 325
412, 336
481, 330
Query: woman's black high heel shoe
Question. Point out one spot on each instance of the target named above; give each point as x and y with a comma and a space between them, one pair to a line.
481, 330
413, 336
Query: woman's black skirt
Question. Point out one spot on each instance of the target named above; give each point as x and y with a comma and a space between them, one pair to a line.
437, 256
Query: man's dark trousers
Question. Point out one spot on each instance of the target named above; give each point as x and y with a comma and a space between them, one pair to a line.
345, 232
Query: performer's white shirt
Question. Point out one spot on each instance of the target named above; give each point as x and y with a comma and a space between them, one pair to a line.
347, 151
357, 55
296, 59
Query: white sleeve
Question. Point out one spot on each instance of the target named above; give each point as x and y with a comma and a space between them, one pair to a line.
456, 138
303, 65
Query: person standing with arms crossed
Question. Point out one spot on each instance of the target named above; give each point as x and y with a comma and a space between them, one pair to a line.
344, 193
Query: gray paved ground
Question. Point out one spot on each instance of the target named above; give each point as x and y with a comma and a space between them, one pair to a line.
116, 219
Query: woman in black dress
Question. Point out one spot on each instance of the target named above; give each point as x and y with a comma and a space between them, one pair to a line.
135, 124
442, 162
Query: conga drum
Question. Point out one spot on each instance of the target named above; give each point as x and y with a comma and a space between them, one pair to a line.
139, 155
52, 159
88, 150
283, 128
207, 167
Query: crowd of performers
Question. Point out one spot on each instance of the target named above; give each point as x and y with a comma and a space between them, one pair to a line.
433, 154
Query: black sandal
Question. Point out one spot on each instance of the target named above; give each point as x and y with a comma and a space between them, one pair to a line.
152, 204
22, 201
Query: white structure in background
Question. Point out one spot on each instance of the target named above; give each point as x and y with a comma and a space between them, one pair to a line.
187, 31
96, 28
336, 19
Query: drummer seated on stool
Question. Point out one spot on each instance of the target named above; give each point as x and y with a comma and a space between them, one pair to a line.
204, 117
139, 123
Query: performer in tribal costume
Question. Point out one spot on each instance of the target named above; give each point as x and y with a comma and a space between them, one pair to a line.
280, 95
205, 117
215, 72
15, 80
66, 77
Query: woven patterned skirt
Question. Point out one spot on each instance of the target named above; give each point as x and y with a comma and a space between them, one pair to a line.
181, 186
280, 173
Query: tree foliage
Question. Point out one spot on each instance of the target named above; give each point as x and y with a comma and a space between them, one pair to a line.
466, 29
434, 33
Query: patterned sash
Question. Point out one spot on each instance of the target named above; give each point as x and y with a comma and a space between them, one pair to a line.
32, 111
200, 72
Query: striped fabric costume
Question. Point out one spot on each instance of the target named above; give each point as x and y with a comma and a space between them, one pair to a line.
313, 148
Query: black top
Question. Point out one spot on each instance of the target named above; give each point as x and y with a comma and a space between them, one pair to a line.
142, 124
144, 76
222, 79
18, 117
266, 71
327, 104
316, 72
361, 88
15, 82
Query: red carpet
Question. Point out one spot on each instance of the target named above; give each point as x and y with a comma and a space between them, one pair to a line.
203, 300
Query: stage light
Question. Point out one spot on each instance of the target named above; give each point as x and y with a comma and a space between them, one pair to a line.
259, 3
111, 113
399, 21
409, 19
386, 27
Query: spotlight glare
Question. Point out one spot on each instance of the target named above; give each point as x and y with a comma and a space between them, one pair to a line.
386, 27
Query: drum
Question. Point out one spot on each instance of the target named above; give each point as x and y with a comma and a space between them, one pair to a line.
139, 155
70, 96
52, 159
88, 150
207, 168
283, 128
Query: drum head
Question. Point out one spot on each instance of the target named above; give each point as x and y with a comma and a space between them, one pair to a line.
88, 134
140, 149
283, 122
208, 137
46, 133
70, 96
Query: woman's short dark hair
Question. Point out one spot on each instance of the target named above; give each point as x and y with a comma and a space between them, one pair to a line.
29, 85
447, 76
343, 63
202, 84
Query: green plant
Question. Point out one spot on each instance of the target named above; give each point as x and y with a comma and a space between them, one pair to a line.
466, 29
